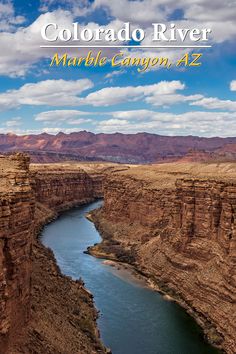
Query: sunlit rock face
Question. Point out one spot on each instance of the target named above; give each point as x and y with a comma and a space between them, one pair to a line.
177, 223
117, 147
16, 233
28, 199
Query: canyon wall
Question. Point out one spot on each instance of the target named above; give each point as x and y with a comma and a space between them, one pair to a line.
179, 228
175, 223
16, 230
59, 190
33, 293
140, 148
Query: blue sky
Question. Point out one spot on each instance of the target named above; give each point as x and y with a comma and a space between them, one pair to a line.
35, 98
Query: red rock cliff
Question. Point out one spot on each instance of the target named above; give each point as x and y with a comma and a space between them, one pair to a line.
16, 226
179, 227
31, 286
61, 189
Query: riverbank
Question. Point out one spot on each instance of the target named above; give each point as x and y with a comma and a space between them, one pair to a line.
58, 305
176, 223
42, 311
151, 219
125, 302
108, 249
140, 225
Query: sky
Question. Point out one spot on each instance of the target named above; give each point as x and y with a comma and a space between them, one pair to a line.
37, 98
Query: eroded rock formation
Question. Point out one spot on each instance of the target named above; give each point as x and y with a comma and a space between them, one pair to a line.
16, 229
41, 310
117, 147
177, 224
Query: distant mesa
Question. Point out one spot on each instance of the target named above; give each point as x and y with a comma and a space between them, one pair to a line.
122, 148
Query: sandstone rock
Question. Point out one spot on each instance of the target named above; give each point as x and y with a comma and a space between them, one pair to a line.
31, 285
181, 232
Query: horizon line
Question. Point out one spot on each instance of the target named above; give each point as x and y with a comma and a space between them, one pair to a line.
119, 132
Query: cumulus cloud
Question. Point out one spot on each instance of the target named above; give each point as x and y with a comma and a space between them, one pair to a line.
48, 92
79, 8
195, 123
8, 19
139, 114
66, 93
112, 74
233, 85
67, 116
14, 122
215, 103
218, 15
59, 93
134, 10
202, 123
48, 130
20, 50
20, 46
114, 95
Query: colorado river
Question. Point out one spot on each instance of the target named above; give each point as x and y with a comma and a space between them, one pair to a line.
133, 319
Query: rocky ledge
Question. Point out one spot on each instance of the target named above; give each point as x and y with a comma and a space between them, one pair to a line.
41, 310
176, 223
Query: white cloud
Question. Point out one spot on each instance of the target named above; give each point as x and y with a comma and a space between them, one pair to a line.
218, 15
142, 12
114, 74
155, 11
110, 77
20, 51
49, 130
194, 123
48, 92
171, 99
203, 123
59, 93
14, 122
66, 93
215, 103
114, 95
57, 130
67, 116
233, 85
8, 20
79, 8
20, 47
140, 114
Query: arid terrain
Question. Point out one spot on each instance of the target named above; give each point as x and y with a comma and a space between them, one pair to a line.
122, 148
42, 311
175, 223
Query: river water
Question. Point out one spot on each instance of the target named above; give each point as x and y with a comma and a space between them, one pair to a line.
133, 319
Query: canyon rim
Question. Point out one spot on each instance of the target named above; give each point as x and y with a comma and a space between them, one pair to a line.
153, 218
127, 107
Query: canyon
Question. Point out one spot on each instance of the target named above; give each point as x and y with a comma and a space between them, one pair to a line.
138, 148
175, 223
41, 310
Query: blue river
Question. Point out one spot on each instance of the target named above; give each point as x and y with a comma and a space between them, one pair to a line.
133, 318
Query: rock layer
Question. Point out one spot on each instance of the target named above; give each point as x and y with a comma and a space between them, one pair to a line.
16, 227
117, 147
178, 226
175, 223
41, 310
